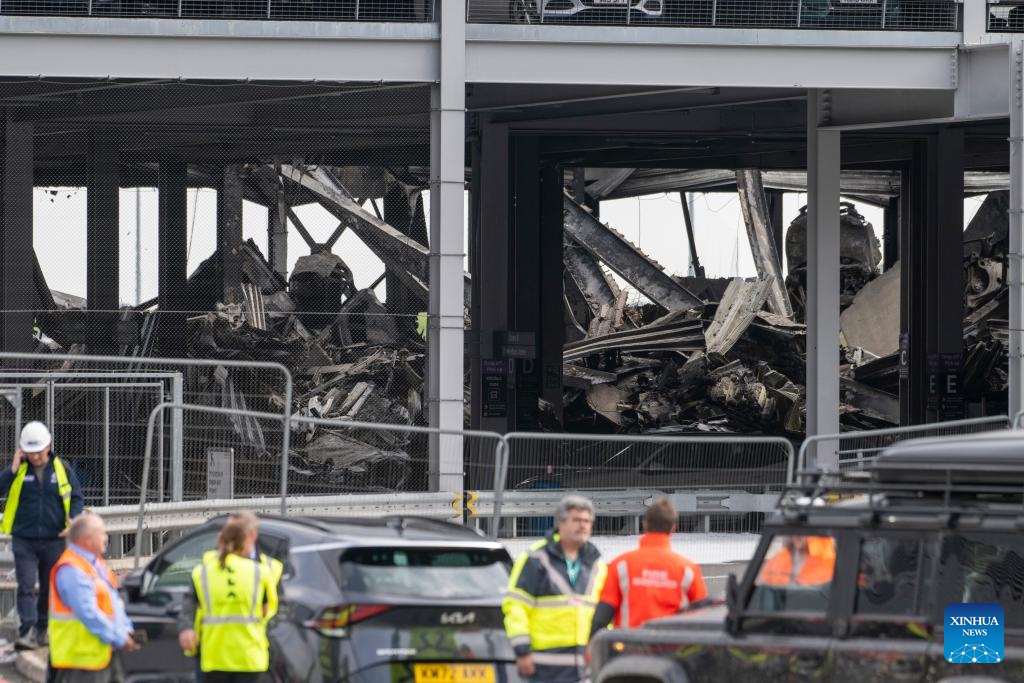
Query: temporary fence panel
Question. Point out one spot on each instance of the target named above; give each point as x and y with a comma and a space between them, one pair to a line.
394, 464
895, 15
718, 484
244, 385
857, 449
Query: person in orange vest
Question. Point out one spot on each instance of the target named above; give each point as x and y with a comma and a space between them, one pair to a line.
88, 624
803, 561
651, 581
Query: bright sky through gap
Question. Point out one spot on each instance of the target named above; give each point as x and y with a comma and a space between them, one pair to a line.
654, 222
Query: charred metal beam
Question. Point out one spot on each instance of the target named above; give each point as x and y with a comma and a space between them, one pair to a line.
685, 336
401, 254
619, 254
756, 216
736, 311
597, 288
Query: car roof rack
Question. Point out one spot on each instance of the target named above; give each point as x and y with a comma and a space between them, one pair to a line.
972, 474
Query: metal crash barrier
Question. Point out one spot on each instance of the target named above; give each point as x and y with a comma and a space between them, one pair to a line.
857, 449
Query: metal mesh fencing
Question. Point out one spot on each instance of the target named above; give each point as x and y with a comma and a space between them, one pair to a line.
98, 408
718, 484
1005, 16
97, 421
903, 15
277, 10
327, 457
857, 450
235, 222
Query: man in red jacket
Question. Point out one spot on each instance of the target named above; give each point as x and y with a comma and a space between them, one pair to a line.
651, 581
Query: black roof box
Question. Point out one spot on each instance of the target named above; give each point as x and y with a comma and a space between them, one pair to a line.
993, 458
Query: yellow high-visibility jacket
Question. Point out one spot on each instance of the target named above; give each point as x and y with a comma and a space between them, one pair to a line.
548, 616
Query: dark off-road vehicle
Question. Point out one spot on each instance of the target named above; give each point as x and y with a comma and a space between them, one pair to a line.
932, 522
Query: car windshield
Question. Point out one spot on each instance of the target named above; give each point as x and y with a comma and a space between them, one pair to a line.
424, 572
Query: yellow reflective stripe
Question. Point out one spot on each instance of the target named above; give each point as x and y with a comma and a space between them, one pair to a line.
688, 577
214, 621
63, 487
624, 589
556, 578
13, 496
255, 591
519, 597
523, 639
556, 658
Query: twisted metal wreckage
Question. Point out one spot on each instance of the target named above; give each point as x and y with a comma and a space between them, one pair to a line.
700, 355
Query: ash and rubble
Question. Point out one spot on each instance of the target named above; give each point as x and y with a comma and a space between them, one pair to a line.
703, 355
735, 366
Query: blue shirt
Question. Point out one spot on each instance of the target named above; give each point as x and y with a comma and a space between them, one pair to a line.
77, 591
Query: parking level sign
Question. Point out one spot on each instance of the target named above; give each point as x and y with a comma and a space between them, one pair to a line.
220, 473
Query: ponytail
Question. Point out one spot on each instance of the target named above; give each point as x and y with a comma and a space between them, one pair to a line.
231, 539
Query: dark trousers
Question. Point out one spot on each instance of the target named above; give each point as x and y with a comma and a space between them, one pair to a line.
231, 677
33, 560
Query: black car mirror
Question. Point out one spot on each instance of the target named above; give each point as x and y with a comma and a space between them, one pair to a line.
132, 585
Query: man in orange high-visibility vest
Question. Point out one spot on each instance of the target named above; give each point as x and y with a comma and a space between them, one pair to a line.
88, 623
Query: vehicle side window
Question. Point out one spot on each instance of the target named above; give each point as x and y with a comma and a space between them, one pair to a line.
173, 570
796, 575
985, 568
890, 574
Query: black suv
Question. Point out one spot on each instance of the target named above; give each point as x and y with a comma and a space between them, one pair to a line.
389, 599
933, 522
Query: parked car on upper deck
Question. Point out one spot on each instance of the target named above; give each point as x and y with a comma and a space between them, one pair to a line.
934, 522
389, 599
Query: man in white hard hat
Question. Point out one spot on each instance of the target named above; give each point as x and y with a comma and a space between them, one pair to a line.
43, 496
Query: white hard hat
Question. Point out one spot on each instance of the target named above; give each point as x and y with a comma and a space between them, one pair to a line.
34, 437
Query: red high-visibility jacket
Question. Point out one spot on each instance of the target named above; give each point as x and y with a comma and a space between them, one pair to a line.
651, 581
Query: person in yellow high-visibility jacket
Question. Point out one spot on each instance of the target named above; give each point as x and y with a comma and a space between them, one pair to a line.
43, 496
552, 593
236, 595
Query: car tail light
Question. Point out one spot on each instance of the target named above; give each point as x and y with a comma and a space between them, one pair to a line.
333, 621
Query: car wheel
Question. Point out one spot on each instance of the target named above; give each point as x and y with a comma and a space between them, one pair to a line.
523, 12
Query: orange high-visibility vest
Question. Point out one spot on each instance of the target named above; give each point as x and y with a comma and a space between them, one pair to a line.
817, 568
72, 645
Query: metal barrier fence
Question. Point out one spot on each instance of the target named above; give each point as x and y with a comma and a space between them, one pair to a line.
857, 449
92, 416
1005, 16
897, 15
276, 10
243, 385
722, 486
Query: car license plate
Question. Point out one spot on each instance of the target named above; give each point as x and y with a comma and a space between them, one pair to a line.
610, 2
858, 2
453, 673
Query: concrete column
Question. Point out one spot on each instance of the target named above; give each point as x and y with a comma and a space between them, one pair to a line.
229, 232
932, 280
102, 232
1016, 274
489, 266
447, 215
172, 295
823, 163
549, 290
524, 263
17, 291
277, 235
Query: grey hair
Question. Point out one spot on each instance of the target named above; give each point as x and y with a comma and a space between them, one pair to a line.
83, 525
572, 502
